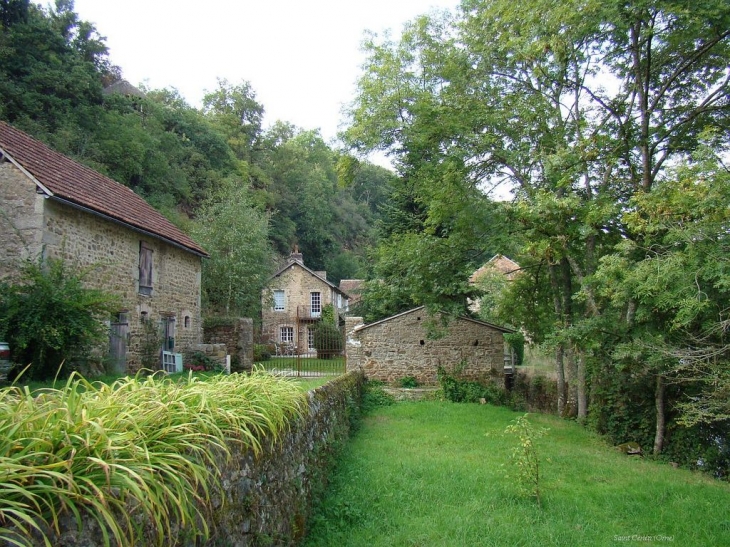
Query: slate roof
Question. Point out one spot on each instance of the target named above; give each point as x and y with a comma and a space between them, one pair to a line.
65, 180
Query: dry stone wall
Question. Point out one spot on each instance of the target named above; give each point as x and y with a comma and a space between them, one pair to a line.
400, 346
237, 335
264, 499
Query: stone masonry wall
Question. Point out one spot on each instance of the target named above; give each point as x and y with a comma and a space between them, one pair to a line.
30, 223
265, 499
298, 284
237, 335
89, 240
21, 219
398, 347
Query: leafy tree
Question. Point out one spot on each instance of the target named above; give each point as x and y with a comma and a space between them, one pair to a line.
234, 232
50, 318
579, 107
236, 112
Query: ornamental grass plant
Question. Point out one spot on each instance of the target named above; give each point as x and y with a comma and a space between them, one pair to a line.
137, 450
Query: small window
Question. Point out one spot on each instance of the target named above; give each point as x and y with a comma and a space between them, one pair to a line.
279, 300
186, 321
287, 334
145, 269
316, 301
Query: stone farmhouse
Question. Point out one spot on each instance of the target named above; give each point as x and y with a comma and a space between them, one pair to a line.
292, 305
52, 206
400, 346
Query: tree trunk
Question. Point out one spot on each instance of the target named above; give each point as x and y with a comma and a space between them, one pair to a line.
560, 370
581, 384
572, 407
659, 401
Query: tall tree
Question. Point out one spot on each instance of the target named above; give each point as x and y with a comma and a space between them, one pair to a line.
578, 106
234, 232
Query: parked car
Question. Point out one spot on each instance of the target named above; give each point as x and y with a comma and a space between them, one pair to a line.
5, 364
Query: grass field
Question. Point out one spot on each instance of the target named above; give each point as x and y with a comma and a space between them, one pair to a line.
433, 474
305, 366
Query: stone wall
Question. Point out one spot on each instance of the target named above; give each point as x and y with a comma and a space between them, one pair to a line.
111, 252
265, 499
21, 219
237, 335
400, 346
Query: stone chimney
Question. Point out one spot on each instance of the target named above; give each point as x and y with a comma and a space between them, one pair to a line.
296, 256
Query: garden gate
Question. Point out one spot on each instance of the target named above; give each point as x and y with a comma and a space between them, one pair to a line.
307, 345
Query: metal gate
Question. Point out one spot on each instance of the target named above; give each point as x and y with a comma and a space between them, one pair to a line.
306, 345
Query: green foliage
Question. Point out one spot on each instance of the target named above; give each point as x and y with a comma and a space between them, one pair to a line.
234, 232
458, 390
525, 457
156, 440
262, 352
199, 361
328, 315
374, 396
50, 318
328, 340
408, 382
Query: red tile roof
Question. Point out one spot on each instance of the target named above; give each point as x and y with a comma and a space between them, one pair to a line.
64, 179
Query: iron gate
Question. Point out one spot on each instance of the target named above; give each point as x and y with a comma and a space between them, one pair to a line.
306, 345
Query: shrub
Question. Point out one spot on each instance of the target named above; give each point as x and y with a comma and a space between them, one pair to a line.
408, 382
199, 361
458, 390
50, 318
262, 352
327, 340
525, 457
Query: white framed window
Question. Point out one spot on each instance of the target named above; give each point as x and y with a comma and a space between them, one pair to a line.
279, 300
316, 303
286, 334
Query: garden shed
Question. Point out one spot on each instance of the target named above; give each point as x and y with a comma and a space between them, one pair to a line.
415, 344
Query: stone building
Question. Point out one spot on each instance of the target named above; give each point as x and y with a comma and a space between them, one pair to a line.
52, 206
292, 304
400, 346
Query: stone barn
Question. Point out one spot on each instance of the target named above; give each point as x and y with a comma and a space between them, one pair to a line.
400, 346
54, 207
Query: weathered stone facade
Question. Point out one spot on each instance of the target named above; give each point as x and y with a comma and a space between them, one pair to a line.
297, 284
400, 346
31, 223
237, 335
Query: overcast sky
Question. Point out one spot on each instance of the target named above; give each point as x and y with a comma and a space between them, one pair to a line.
302, 57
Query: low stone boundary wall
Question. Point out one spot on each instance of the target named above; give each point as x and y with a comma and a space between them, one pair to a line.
237, 335
264, 499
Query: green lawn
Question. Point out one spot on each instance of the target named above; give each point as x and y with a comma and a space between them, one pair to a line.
433, 474
305, 365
